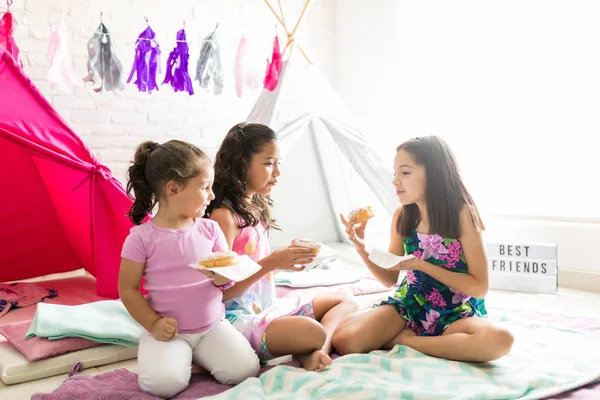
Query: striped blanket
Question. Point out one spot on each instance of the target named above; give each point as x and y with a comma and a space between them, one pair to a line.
544, 361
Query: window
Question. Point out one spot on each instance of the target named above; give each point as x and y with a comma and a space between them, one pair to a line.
512, 86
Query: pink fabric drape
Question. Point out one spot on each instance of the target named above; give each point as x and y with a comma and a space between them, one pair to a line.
60, 210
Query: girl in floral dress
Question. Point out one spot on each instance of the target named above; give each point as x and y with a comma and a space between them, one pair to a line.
439, 307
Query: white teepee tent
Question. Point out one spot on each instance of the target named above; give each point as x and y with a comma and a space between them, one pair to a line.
328, 166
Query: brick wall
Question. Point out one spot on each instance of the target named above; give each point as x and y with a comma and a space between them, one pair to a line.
112, 124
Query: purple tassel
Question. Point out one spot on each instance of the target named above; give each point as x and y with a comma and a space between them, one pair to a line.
146, 61
177, 66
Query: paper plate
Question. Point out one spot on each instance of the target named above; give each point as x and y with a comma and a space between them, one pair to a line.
385, 259
324, 254
244, 268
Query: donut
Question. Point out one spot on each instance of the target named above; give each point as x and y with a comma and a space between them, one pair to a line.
362, 214
307, 243
221, 258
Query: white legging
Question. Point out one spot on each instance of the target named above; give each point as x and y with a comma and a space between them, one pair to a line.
165, 367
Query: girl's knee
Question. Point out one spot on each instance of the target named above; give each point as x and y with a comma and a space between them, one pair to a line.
241, 369
308, 334
343, 296
497, 342
503, 340
163, 381
350, 303
346, 340
315, 331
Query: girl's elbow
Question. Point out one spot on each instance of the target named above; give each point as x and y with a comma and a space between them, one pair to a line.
481, 291
389, 284
126, 291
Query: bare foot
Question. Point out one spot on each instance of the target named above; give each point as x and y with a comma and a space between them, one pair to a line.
405, 334
317, 361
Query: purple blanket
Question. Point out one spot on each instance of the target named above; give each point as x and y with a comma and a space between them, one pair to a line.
121, 384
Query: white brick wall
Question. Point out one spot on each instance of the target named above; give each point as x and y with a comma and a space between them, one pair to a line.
112, 124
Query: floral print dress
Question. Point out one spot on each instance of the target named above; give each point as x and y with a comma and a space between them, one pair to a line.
428, 305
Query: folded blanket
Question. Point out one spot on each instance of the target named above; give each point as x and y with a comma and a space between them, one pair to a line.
103, 321
335, 274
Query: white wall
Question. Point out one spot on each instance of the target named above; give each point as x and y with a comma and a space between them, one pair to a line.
360, 48
113, 124
512, 86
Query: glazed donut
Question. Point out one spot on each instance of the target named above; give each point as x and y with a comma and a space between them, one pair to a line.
362, 214
221, 258
307, 243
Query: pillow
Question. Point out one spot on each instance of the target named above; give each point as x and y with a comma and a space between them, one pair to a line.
38, 348
14, 367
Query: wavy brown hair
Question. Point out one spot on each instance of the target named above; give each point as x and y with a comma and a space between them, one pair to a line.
153, 166
445, 191
232, 168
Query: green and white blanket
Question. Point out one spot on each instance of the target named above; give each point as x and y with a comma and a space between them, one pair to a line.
544, 361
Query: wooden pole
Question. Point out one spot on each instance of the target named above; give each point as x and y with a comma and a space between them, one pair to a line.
301, 16
305, 56
274, 12
290, 36
282, 17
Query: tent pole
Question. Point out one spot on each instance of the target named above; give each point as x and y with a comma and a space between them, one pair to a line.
274, 12
306, 4
287, 32
281, 20
305, 56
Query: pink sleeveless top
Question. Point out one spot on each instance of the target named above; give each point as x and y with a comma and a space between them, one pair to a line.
253, 242
253, 311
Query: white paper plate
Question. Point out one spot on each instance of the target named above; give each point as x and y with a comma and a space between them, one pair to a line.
324, 254
244, 268
386, 260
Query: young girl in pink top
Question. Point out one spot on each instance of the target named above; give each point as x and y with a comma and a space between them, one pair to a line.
246, 169
183, 315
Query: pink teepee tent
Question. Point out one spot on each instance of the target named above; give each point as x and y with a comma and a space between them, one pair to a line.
60, 210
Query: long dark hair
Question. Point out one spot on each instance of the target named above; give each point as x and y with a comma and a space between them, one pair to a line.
232, 168
445, 191
153, 166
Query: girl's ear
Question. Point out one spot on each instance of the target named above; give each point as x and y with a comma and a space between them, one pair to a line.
171, 189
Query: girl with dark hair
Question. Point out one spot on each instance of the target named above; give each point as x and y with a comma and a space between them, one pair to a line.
246, 170
183, 315
439, 307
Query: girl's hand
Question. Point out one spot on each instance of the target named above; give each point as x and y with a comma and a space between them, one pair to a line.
413, 264
355, 232
288, 258
217, 279
207, 273
164, 329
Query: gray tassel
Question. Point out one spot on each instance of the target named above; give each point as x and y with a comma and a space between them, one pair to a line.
209, 71
103, 65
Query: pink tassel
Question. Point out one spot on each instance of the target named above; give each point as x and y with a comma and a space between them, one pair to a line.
8, 25
60, 74
274, 68
239, 67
